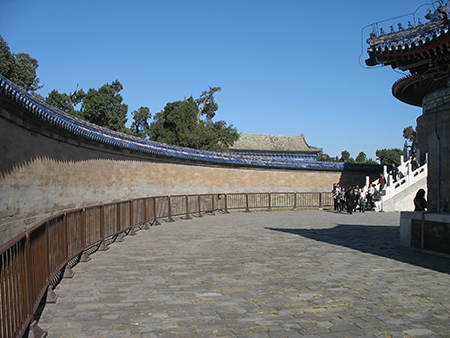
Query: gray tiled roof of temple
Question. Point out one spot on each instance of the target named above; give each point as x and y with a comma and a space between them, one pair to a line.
275, 143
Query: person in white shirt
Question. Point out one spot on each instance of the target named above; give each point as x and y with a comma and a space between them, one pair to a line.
370, 193
362, 201
336, 191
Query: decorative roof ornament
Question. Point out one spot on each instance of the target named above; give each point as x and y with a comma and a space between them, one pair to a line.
374, 33
423, 50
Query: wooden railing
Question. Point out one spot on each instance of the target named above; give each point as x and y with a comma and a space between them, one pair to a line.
35, 261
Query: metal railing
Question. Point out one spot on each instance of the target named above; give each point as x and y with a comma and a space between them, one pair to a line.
35, 261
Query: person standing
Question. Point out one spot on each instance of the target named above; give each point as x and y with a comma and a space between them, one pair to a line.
420, 203
370, 193
349, 200
362, 201
382, 182
342, 199
356, 193
336, 192
414, 164
394, 172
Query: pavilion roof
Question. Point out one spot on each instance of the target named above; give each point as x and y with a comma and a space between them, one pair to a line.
422, 49
411, 48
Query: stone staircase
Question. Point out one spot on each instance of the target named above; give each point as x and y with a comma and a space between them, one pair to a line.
399, 195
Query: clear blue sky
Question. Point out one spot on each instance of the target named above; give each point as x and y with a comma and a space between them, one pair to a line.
285, 67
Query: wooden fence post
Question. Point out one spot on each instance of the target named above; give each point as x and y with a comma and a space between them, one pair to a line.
144, 216
226, 204
199, 207
132, 232
170, 219
156, 222
84, 256
187, 208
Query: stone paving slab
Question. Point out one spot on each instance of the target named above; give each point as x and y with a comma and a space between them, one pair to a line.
260, 274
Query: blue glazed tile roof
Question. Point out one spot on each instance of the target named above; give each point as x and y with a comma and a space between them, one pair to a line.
422, 49
413, 40
109, 137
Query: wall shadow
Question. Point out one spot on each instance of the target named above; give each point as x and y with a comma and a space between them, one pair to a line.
377, 240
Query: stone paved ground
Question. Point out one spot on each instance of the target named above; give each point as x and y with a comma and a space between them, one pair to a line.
261, 274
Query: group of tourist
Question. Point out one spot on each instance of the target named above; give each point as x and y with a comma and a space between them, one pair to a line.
353, 198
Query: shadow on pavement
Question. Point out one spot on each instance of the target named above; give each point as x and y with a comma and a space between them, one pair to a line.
378, 240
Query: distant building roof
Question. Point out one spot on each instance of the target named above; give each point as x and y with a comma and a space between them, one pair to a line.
273, 143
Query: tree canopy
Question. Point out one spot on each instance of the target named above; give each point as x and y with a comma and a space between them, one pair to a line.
361, 158
104, 107
410, 136
19, 68
384, 156
389, 156
180, 124
66, 102
346, 158
206, 104
326, 158
140, 126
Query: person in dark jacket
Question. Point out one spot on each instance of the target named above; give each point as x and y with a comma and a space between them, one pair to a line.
382, 182
394, 172
420, 203
350, 200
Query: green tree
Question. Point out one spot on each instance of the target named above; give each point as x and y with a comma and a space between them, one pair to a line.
104, 107
206, 104
220, 136
176, 124
388, 156
7, 60
361, 158
322, 157
140, 126
19, 68
66, 102
370, 161
410, 136
345, 157
180, 124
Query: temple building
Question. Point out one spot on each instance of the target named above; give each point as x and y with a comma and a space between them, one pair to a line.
422, 48
275, 146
